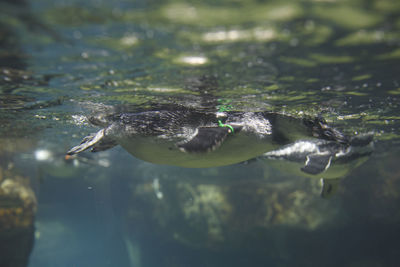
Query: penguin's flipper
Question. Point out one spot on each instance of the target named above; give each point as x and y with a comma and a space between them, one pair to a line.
205, 140
329, 187
96, 142
317, 163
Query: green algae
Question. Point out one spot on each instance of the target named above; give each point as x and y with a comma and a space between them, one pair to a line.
395, 54
347, 16
317, 34
394, 92
77, 15
206, 16
299, 61
312, 80
361, 77
272, 87
331, 59
387, 6
364, 37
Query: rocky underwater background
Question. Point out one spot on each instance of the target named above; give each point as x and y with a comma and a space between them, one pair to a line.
61, 61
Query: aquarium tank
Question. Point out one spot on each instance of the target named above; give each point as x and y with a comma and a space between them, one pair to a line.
227, 133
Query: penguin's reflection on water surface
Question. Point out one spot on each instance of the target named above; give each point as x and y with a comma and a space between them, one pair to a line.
327, 160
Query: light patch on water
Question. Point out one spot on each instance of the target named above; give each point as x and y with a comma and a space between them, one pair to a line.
193, 60
226, 36
40, 116
129, 40
79, 119
43, 155
183, 12
258, 34
163, 89
104, 163
327, 1
348, 117
263, 34
221, 115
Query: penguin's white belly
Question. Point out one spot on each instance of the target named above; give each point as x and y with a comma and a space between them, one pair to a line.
235, 149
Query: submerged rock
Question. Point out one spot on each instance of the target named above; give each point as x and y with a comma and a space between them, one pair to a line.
18, 204
17, 212
220, 216
18, 207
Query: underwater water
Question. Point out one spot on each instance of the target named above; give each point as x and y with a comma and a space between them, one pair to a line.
61, 61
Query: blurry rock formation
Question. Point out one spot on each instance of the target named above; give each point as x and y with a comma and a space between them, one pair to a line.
17, 213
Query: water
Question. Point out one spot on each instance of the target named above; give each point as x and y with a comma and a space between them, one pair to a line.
61, 60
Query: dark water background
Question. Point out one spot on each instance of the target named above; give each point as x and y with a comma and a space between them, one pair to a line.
61, 60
